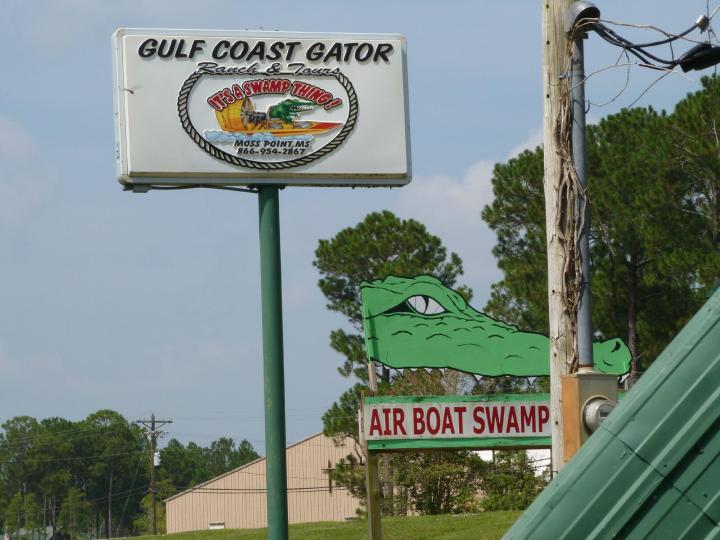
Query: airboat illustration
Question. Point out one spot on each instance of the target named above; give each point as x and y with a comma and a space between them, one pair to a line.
280, 119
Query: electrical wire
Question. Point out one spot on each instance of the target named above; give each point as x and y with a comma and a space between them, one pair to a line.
647, 89
648, 27
60, 432
132, 487
103, 456
714, 11
236, 411
254, 491
670, 39
639, 50
615, 39
535, 464
628, 64
34, 445
105, 498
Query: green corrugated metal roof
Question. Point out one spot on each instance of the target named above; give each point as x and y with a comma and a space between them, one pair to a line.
652, 470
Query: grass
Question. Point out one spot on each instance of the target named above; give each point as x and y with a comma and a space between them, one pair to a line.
486, 526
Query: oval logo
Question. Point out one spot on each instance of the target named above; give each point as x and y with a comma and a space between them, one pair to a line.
267, 121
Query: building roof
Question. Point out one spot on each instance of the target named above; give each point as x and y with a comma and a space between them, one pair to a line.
233, 471
653, 467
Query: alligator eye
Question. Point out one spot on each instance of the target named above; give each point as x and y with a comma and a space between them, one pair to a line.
425, 305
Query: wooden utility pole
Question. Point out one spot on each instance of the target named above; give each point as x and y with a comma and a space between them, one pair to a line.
372, 480
152, 433
561, 331
153, 445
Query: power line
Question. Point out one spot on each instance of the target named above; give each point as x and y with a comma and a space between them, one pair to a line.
105, 498
20, 440
127, 500
79, 458
41, 443
703, 54
250, 491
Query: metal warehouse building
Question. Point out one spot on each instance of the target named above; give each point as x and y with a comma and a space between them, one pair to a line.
237, 499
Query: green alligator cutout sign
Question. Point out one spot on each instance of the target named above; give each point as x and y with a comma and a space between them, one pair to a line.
420, 323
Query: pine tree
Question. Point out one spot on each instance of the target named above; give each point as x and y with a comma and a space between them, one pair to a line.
646, 263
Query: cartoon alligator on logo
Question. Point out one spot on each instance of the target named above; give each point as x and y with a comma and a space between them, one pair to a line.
288, 109
284, 111
280, 119
421, 323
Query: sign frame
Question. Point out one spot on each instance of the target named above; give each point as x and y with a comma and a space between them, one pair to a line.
228, 175
460, 443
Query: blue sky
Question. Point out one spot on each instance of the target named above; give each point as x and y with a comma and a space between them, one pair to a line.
145, 303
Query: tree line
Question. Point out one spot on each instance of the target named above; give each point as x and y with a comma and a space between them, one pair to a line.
654, 192
92, 477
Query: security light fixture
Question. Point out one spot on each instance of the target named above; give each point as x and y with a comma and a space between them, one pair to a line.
701, 56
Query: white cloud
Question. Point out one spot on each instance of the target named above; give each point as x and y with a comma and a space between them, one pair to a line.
533, 139
442, 200
460, 198
450, 207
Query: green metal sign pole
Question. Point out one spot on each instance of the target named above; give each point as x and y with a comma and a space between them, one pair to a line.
271, 293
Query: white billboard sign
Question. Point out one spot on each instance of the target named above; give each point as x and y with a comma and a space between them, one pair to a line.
253, 108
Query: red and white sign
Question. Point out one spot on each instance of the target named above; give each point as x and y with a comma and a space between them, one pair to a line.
426, 420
